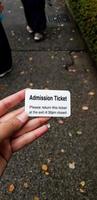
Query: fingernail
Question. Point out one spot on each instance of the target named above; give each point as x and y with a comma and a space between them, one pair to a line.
48, 125
23, 117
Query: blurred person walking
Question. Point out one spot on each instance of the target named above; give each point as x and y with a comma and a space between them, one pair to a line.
5, 50
36, 18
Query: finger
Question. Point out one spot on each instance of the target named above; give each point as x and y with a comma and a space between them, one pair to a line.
31, 125
11, 126
29, 137
11, 101
11, 115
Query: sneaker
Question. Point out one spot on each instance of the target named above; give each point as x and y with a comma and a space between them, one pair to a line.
38, 36
6, 72
29, 29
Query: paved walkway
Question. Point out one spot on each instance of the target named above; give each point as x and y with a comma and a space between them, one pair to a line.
70, 148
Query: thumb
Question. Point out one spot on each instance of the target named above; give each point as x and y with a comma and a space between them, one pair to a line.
9, 127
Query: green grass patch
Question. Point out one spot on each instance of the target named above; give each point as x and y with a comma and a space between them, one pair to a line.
85, 12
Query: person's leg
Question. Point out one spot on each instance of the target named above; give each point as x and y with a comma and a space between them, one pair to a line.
5, 53
35, 14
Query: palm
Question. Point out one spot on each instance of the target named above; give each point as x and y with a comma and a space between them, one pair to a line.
15, 133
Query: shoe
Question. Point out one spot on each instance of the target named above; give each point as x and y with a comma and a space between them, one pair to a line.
29, 29
38, 36
6, 72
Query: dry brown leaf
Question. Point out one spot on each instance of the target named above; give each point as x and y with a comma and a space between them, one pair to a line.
46, 173
44, 167
11, 188
36, 198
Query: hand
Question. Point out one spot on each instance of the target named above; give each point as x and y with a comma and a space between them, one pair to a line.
16, 129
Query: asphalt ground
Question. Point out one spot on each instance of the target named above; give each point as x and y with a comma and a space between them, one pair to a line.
69, 149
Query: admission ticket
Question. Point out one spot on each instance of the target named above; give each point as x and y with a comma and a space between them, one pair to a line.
47, 103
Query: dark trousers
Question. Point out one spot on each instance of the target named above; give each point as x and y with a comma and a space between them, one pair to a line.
35, 14
5, 52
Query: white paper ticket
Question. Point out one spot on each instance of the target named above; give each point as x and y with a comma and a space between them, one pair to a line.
47, 103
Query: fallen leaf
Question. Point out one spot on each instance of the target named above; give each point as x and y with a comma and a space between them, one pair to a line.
52, 57
62, 58
43, 194
75, 56
36, 198
19, 39
70, 134
46, 173
82, 190
30, 58
31, 84
62, 150
64, 66
87, 70
26, 185
79, 132
49, 160
62, 25
91, 93
72, 165
72, 70
82, 183
12, 33
47, 81
55, 18
22, 72
85, 81
21, 7
11, 188
85, 108
71, 39
44, 167
60, 121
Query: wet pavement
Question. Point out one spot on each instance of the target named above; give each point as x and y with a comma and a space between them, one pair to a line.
69, 149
